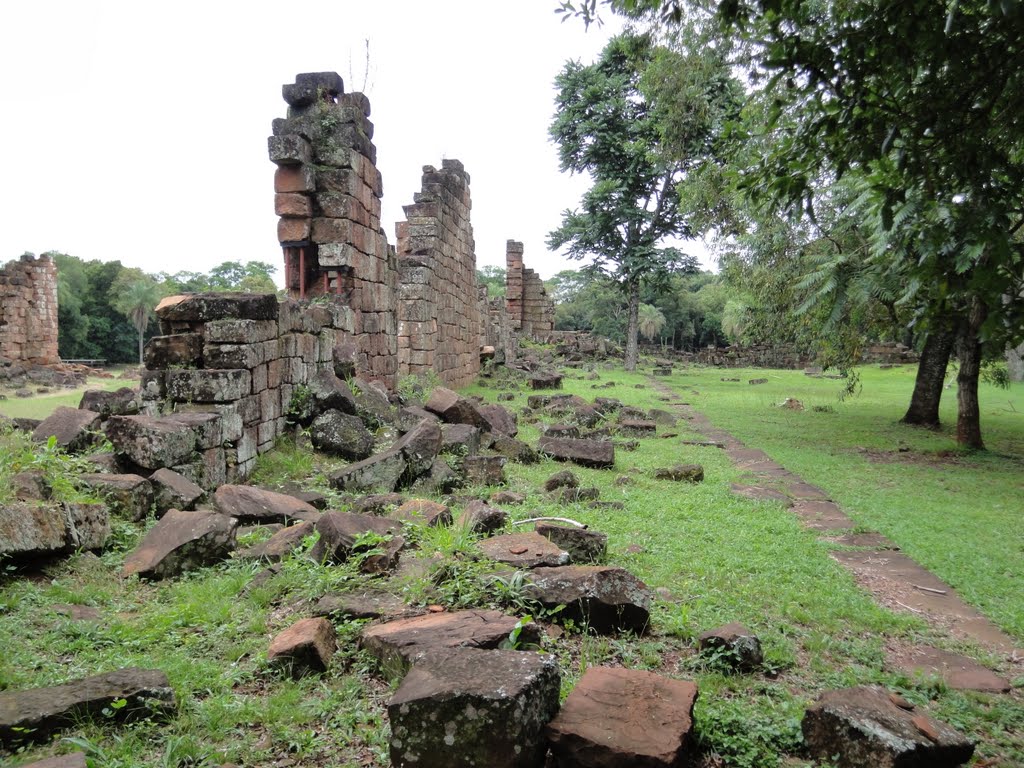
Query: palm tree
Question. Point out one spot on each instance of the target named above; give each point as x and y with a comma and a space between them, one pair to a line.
650, 321
136, 295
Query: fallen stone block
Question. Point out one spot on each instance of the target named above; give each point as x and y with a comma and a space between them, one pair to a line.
152, 442
250, 504
546, 381
381, 472
583, 546
758, 381
862, 726
460, 438
342, 533
121, 402
30, 485
377, 503
563, 479
182, 541
637, 428
399, 644
587, 453
72, 428
507, 497
455, 409
372, 403
71, 760
307, 646
330, 393
562, 430
174, 491
620, 718
576, 495
514, 450
423, 511
341, 434
34, 530
689, 473
280, 545
467, 707
605, 598
365, 604
523, 550
38, 713
484, 470
419, 447
501, 420
732, 645
129, 496
481, 518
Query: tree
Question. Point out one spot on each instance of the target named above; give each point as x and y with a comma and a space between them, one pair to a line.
136, 296
651, 321
492, 277
606, 125
251, 277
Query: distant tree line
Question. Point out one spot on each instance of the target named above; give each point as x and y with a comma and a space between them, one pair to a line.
105, 309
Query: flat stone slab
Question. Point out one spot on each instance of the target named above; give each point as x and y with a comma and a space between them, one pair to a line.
37, 713
863, 726
72, 760
822, 516
892, 577
956, 671
866, 541
466, 707
606, 598
587, 453
127, 495
583, 546
398, 644
306, 646
363, 604
250, 504
523, 550
747, 455
280, 545
32, 530
72, 428
423, 511
760, 493
806, 491
182, 541
619, 718
341, 532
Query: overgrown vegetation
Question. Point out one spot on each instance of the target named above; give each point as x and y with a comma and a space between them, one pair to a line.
713, 557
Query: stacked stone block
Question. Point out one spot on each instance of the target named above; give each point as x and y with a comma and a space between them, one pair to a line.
28, 311
327, 193
237, 358
439, 317
531, 311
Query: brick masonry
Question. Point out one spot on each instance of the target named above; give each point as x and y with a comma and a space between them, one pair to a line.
530, 309
28, 311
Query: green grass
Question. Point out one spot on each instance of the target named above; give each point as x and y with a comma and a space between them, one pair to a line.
957, 513
712, 557
39, 406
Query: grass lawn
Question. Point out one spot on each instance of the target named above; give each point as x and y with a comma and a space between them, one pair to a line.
39, 406
957, 513
712, 557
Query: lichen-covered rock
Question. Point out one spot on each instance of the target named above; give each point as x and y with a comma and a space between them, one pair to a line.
399, 644
204, 307
502, 421
381, 472
341, 434
306, 646
563, 479
330, 393
484, 470
621, 718
280, 545
862, 726
341, 533
514, 450
208, 385
455, 409
182, 541
30, 529
172, 490
123, 401
35, 714
129, 496
732, 645
481, 518
419, 447
463, 439
637, 427
583, 545
423, 511
249, 504
605, 598
73, 429
152, 442
689, 473
467, 707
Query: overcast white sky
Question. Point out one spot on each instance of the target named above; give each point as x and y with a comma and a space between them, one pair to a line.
137, 131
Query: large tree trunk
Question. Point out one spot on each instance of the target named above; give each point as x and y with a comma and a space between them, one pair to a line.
141, 345
968, 421
931, 374
633, 326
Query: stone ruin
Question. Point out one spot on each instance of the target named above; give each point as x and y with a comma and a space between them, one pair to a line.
28, 311
415, 307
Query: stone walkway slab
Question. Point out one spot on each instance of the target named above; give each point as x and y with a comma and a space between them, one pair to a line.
958, 672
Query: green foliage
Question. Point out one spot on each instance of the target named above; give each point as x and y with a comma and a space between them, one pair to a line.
417, 387
492, 277
251, 277
19, 453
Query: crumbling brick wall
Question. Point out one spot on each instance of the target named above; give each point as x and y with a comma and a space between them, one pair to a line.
327, 193
439, 320
239, 357
28, 310
531, 310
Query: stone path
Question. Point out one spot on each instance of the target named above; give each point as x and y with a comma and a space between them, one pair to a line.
893, 579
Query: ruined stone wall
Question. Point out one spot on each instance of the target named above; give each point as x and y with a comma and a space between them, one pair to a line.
531, 310
233, 361
28, 311
788, 357
439, 320
327, 193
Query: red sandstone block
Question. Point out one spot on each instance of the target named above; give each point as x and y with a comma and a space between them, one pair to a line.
293, 205
294, 178
292, 229
332, 230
